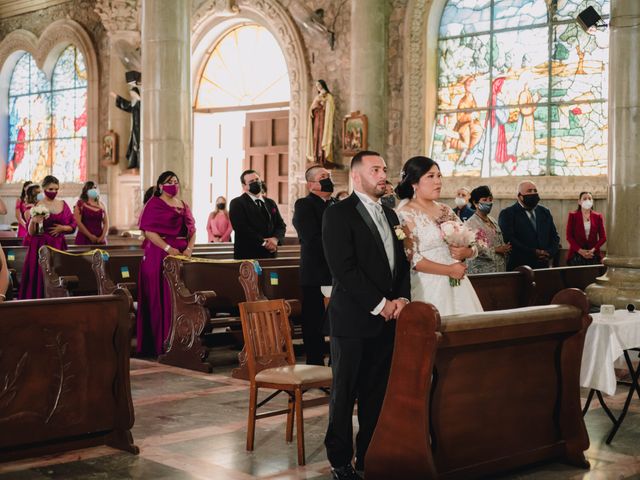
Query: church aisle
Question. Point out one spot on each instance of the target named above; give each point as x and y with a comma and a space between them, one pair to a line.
192, 426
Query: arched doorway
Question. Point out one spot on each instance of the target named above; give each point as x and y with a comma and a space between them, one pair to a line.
241, 118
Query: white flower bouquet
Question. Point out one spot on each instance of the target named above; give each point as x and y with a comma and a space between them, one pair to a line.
457, 235
40, 211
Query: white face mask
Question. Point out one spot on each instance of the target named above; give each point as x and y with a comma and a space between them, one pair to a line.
460, 202
587, 204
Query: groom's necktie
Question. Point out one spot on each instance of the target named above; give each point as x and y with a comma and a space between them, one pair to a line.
385, 233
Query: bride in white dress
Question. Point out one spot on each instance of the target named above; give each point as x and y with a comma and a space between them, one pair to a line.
433, 262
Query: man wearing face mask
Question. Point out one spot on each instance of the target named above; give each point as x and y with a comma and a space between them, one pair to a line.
314, 271
389, 197
462, 209
256, 220
530, 229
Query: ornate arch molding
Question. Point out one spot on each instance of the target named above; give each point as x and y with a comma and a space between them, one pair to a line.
273, 16
45, 51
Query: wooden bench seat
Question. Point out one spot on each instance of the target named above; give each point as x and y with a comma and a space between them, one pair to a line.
51, 401
473, 395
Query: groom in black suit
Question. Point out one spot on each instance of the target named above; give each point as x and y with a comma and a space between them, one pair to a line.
370, 287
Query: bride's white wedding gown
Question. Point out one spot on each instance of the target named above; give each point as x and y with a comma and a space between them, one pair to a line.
425, 241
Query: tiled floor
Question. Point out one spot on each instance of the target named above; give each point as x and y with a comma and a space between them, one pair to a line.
192, 426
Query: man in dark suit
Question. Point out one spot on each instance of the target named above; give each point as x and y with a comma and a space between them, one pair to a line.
256, 220
530, 229
314, 271
370, 287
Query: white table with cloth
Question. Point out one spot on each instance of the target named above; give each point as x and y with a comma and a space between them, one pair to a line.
608, 338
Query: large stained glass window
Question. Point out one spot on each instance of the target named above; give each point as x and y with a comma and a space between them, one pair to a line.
48, 120
246, 67
522, 89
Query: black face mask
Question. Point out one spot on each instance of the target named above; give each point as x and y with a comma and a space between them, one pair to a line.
530, 201
388, 201
221, 206
326, 185
255, 187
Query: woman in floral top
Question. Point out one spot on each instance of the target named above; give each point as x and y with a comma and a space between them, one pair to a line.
492, 251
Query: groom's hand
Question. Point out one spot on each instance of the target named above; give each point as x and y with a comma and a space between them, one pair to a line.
388, 309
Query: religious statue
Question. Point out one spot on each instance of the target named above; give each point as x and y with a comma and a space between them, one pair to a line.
320, 131
132, 106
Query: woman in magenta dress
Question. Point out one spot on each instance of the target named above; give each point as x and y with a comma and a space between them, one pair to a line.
218, 225
45, 231
33, 196
21, 204
91, 217
169, 229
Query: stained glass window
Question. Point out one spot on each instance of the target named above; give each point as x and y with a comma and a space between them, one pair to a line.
48, 120
246, 67
522, 89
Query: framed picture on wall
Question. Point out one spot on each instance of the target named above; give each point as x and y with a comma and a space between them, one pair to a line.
109, 155
354, 133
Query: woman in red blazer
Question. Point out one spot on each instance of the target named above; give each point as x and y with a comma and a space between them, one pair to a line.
585, 233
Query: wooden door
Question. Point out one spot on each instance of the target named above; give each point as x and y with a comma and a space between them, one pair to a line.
266, 147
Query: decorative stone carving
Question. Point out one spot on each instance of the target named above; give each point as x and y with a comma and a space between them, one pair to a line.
282, 26
119, 15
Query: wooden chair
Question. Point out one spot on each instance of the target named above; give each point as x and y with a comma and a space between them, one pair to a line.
271, 362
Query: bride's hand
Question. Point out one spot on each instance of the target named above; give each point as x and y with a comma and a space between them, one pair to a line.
457, 270
460, 253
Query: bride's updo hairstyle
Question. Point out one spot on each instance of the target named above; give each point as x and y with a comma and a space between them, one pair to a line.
411, 173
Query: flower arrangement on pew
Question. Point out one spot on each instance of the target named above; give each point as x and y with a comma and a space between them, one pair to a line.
40, 211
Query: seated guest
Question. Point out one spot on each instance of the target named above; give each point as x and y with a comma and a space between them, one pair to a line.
33, 194
4, 276
462, 209
256, 220
169, 229
530, 229
492, 251
341, 195
218, 225
91, 217
585, 233
46, 229
21, 207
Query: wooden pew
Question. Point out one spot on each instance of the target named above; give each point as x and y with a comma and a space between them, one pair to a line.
66, 274
474, 395
503, 290
550, 281
15, 262
50, 400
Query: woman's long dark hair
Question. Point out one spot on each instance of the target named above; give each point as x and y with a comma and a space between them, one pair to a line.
31, 198
23, 193
48, 180
411, 173
164, 176
323, 84
87, 186
579, 197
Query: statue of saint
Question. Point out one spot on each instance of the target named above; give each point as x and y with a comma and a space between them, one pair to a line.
320, 131
132, 106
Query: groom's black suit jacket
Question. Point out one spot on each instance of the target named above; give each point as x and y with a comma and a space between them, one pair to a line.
358, 262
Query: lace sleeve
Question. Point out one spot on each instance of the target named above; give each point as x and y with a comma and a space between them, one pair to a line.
411, 245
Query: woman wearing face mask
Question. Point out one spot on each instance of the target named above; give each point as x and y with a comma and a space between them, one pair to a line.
91, 217
49, 230
218, 225
585, 233
492, 257
462, 209
169, 229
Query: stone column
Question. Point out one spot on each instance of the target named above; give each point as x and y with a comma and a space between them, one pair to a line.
166, 92
121, 21
621, 283
369, 21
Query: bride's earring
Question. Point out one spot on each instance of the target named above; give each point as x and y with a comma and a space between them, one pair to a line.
414, 192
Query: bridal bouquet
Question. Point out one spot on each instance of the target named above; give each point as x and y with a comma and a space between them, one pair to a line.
458, 235
40, 211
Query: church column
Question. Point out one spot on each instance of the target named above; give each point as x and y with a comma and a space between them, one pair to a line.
621, 283
166, 97
369, 21
121, 21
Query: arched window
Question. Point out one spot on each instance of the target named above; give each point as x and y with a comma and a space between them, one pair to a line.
522, 89
246, 67
48, 120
